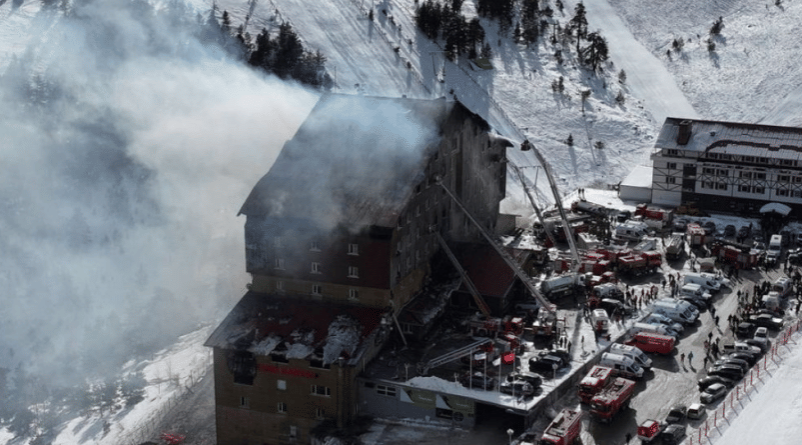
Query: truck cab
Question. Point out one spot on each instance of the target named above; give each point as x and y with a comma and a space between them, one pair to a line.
621, 365
775, 249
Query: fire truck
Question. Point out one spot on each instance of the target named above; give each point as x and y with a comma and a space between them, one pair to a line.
654, 217
594, 382
605, 405
484, 326
696, 235
564, 429
640, 263
735, 254
649, 430
548, 324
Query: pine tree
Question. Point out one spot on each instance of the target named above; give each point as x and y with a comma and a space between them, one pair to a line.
579, 24
597, 52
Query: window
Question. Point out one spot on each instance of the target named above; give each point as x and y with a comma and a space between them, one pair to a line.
281, 384
314, 246
279, 286
671, 180
744, 188
317, 289
244, 402
315, 267
320, 413
293, 431
318, 390
671, 165
353, 272
782, 192
760, 176
353, 249
745, 175
389, 391
281, 407
279, 263
784, 178
721, 186
708, 171
759, 190
723, 172
353, 294
672, 152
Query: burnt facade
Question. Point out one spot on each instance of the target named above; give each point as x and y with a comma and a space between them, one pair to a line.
344, 226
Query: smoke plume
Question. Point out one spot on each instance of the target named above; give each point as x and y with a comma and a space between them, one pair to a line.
128, 144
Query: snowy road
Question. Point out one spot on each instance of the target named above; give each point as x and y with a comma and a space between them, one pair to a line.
647, 77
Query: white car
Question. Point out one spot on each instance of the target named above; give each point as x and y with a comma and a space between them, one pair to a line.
762, 335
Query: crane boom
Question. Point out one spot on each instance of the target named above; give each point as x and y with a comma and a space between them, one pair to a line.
528, 192
528, 281
477, 297
547, 168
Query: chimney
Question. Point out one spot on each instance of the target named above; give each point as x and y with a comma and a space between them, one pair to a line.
684, 134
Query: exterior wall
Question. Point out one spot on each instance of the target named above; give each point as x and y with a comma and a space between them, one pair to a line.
249, 414
732, 185
391, 401
364, 296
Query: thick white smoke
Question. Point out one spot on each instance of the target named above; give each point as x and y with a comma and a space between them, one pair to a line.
127, 146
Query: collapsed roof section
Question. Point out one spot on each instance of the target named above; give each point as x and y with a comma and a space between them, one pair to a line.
355, 159
265, 324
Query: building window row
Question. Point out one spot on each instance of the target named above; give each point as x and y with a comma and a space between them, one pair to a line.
318, 390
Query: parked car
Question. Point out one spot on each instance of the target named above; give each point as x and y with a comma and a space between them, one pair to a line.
713, 393
533, 379
546, 364
680, 224
710, 227
518, 388
759, 246
697, 303
673, 435
478, 381
745, 356
744, 329
623, 215
763, 345
729, 230
767, 321
732, 372
696, 411
677, 414
744, 365
711, 379
744, 232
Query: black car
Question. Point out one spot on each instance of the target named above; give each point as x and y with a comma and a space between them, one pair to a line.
729, 230
561, 353
533, 379
517, 388
745, 329
709, 380
546, 364
744, 232
732, 372
677, 414
710, 227
680, 224
623, 216
766, 320
743, 364
696, 302
673, 435
615, 306
745, 356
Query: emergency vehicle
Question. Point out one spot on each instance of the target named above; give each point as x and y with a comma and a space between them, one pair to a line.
596, 380
651, 342
564, 429
606, 404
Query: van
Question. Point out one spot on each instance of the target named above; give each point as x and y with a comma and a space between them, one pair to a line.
651, 342
709, 284
630, 231
783, 286
775, 249
677, 310
600, 320
621, 365
653, 328
632, 352
696, 291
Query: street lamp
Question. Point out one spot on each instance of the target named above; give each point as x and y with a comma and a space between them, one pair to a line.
509, 433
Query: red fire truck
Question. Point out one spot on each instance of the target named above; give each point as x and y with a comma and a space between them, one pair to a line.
640, 263
594, 382
564, 429
491, 326
651, 342
609, 401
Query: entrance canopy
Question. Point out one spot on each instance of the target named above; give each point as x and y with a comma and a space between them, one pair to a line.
782, 209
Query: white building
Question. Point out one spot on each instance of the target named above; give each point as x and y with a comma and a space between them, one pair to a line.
727, 167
